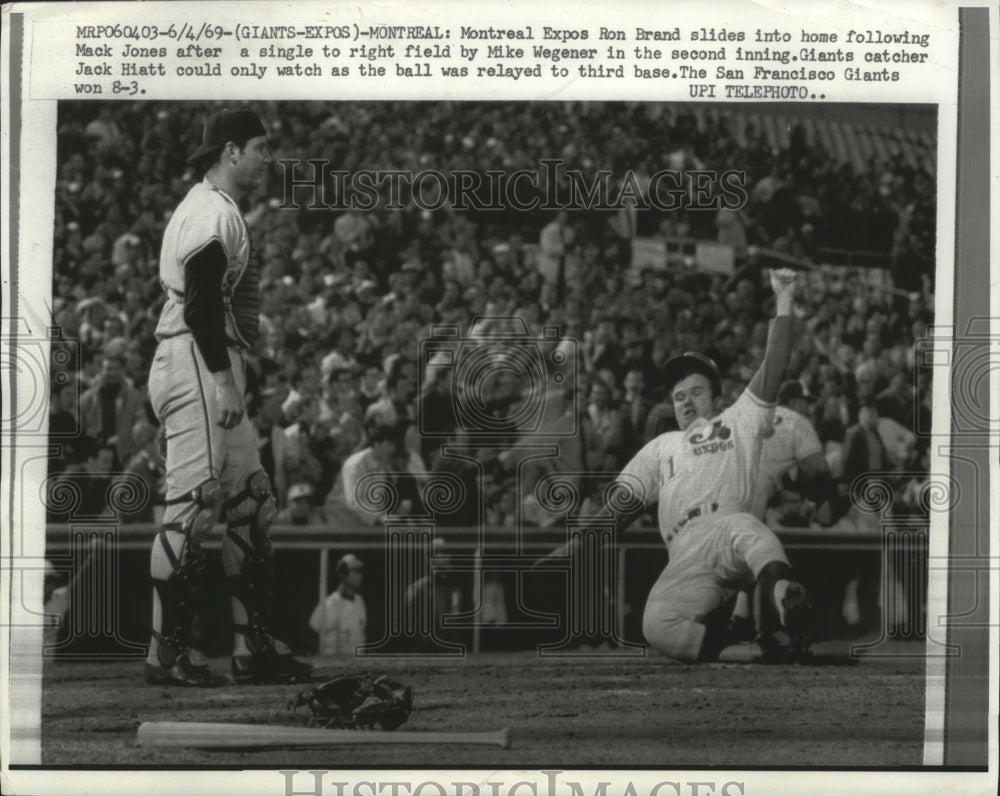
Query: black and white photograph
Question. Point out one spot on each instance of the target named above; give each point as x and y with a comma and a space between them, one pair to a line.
591, 437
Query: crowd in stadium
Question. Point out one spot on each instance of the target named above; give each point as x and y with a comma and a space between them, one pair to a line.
347, 296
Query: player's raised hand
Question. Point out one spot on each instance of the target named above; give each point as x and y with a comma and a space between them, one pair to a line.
784, 281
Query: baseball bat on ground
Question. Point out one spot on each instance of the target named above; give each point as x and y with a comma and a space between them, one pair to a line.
209, 735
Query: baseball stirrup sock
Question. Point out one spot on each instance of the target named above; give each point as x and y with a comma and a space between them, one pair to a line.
175, 568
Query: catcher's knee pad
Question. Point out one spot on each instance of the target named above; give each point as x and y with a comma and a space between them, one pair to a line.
203, 506
249, 515
253, 507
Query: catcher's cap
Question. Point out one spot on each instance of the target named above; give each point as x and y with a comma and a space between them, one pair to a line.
225, 126
347, 563
689, 362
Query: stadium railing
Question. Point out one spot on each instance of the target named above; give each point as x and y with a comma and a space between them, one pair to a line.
475, 550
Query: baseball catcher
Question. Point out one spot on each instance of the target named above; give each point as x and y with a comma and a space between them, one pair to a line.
197, 384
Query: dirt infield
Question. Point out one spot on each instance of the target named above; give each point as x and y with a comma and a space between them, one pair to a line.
607, 712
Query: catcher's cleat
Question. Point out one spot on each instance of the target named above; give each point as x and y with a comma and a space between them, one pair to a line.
270, 665
796, 616
183, 673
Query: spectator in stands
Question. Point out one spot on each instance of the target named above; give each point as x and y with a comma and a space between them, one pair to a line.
301, 464
301, 510
433, 596
104, 130
305, 384
896, 400
342, 357
148, 466
601, 349
351, 500
394, 405
863, 457
792, 509
606, 445
634, 408
110, 409
369, 386
64, 425
271, 441
624, 224
341, 620
436, 411
556, 237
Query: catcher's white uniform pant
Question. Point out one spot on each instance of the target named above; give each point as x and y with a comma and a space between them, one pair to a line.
182, 392
711, 557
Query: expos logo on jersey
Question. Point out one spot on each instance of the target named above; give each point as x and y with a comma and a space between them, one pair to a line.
712, 439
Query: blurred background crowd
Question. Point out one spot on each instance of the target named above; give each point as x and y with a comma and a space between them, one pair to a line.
343, 379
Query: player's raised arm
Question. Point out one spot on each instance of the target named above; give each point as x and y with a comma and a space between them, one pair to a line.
769, 376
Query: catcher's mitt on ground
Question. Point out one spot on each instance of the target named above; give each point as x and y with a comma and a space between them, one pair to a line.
357, 702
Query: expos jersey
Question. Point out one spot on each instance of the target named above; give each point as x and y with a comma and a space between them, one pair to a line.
791, 439
209, 214
712, 461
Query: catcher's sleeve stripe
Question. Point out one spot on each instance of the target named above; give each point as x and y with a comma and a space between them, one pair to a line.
204, 308
204, 410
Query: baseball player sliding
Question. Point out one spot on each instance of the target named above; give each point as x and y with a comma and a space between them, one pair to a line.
792, 443
704, 477
196, 383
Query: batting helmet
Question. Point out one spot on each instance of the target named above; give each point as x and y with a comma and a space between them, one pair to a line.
689, 362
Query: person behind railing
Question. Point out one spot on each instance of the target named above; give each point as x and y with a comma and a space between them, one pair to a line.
438, 594
341, 619
110, 409
863, 456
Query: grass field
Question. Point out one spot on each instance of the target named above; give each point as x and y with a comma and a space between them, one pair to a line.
596, 711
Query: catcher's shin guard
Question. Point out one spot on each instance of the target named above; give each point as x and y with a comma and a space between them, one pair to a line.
247, 556
177, 563
248, 562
